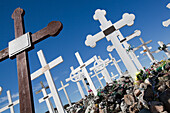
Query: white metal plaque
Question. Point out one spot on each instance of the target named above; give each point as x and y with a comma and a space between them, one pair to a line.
19, 44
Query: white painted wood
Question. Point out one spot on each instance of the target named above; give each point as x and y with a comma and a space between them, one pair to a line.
76, 78
96, 74
19, 44
63, 87
127, 19
50, 81
112, 59
52, 64
11, 104
10, 101
100, 65
86, 74
114, 76
42, 99
48, 102
46, 98
80, 90
131, 53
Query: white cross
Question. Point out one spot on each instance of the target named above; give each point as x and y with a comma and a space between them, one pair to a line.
146, 49
46, 71
96, 74
112, 59
46, 98
111, 32
0, 90
114, 76
65, 92
11, 104
76, 78
85, 72
167, 22
100, 65
126, 45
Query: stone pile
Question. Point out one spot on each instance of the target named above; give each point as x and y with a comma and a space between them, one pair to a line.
149, 93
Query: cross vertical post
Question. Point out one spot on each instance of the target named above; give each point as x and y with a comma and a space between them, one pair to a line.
24, 81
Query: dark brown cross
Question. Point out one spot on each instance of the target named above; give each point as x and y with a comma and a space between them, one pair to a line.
24, 79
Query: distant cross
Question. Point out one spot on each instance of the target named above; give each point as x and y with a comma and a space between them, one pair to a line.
112, 59
114, 76
146, 49
46, 98
65, 92
167, 22
85, 72
46, 71
11, 104
163, 47
100, 65
96, 74
131, 52
24, 81
76, 78
111, 32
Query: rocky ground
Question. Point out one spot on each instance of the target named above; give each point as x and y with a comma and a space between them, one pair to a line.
149, 93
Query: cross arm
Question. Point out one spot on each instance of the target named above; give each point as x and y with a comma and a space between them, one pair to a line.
52, 29
142, 45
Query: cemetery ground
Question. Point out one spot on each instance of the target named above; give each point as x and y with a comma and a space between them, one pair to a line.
149, 93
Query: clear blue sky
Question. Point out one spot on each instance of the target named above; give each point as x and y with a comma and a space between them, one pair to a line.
77, 19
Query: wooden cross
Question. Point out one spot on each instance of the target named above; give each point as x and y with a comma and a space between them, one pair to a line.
24, 81
11, 104
46, 98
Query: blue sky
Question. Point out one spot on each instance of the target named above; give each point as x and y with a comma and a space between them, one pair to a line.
77, 19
